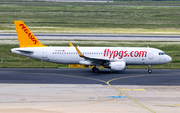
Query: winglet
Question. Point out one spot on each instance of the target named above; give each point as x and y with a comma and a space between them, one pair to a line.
70, 44
79, 53
25, 36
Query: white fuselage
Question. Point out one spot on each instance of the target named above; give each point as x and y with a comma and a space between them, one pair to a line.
114, 58
69, 55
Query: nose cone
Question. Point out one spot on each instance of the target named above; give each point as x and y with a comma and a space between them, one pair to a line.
169, 59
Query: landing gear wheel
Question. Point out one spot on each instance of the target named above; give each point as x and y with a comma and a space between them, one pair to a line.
95, 70
149, 71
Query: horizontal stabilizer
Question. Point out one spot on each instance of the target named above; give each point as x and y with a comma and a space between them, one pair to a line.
26, 52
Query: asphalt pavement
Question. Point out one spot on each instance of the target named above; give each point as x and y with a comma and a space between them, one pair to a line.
86, 76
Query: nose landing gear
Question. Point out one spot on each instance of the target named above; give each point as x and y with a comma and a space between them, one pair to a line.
149, 69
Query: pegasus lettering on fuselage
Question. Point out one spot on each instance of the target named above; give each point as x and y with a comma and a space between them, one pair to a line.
120, 54
30, 36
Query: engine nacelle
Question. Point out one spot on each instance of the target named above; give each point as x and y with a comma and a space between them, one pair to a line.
85, 62
118, 66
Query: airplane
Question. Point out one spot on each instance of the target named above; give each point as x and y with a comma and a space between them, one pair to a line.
114, 58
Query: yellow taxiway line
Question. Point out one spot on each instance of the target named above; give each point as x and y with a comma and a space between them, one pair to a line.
134, 89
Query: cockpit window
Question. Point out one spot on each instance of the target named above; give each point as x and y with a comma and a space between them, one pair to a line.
162, 53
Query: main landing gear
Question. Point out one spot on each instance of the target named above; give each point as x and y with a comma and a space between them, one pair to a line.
149, 69
95, 70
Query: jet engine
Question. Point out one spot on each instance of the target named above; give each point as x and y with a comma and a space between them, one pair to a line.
117, 66
85, 62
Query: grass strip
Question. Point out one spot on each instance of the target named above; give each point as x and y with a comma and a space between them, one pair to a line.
96, 18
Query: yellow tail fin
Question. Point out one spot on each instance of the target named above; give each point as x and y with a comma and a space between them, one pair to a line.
25, 36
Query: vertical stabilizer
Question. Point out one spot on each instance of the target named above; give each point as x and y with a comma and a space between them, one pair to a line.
25, 36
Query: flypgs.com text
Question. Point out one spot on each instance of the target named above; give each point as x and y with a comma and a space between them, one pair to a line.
120, 54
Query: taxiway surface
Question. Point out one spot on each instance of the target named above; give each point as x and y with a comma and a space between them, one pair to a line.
86, 76
75, 90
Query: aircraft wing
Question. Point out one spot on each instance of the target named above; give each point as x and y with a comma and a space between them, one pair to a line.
96, 60
71, 44
90, 58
